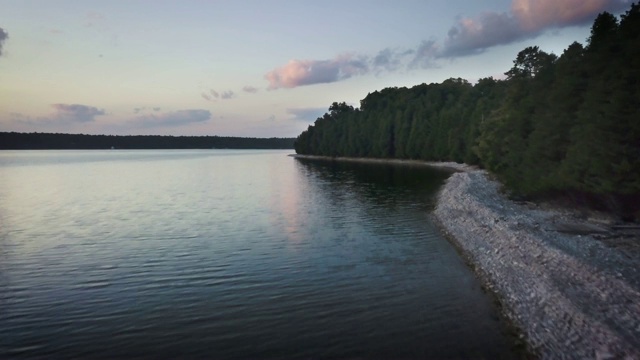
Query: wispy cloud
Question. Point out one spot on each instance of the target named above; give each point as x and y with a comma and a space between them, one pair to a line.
76, 112
66, 115
138, 110
526, 19
387, 59
536, 15
250, 89
73, 117
3, 36
473, 36
210, 95
213, 95
424, 55
307, 72
171, 119
226, 95
468, 36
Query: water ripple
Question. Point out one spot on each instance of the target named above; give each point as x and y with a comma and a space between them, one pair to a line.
229, 257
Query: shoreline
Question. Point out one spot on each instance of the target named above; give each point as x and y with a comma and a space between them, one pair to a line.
567, 291
447, 165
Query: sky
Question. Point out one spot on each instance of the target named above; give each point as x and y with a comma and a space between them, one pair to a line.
252, 68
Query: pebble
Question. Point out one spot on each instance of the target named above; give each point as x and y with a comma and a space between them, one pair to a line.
578, 319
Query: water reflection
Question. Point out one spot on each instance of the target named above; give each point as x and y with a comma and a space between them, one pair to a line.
370, 180
241, 256
356, 192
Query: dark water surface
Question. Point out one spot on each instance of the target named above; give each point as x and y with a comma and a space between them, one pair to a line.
229, 254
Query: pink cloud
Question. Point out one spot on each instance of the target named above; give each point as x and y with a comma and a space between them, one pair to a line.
524, 19
527, 19
534, 15
307, 72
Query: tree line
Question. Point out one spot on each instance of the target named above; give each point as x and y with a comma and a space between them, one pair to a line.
567, 124
40, 141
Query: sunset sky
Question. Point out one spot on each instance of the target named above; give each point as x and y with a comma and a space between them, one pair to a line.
263, 68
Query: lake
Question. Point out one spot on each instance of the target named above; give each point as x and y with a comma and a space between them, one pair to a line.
230, 254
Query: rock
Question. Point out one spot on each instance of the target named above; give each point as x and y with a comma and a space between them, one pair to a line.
549, 283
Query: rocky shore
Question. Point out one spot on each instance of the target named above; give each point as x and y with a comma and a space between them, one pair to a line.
568, 281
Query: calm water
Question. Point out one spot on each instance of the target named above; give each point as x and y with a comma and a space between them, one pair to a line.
229, 254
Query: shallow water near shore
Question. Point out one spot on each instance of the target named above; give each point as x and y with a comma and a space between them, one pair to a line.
230, 254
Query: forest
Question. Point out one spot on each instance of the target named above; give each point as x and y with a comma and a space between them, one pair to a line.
565, 125
40, 141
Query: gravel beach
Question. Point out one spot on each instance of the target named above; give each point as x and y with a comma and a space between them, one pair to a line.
568, 282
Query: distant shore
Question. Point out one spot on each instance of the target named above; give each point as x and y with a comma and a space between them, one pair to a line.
51, 141
567, 281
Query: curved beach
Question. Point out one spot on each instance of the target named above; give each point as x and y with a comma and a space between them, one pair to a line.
567, 282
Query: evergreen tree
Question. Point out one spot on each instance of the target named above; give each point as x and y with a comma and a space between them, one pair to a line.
569, 124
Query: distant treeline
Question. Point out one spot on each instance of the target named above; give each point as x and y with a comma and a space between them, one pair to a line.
38, 141
555, 125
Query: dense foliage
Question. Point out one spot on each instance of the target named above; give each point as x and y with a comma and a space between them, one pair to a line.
567, 124
21, 141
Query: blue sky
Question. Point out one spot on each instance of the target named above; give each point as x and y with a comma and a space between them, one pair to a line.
264, 68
